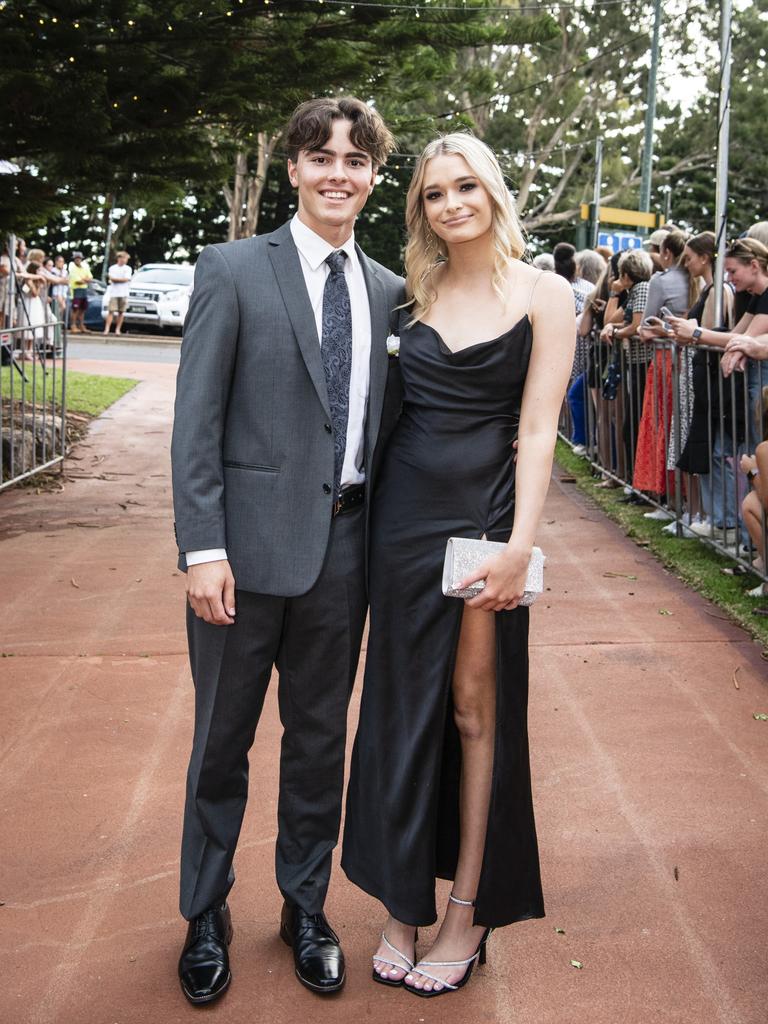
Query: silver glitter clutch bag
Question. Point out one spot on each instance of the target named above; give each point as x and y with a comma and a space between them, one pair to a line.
463, 555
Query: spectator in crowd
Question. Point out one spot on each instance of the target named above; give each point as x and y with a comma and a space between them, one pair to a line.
544, 261
652, 246
565, 265
60, 291
635, 269
119, 277
699, 392
79, 278
33, 290
746, 261
759, 230
754, 508
673, 289
593, 319
5, 275
590, 265
605, 251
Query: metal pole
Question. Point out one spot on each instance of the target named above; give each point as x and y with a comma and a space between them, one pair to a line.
650, 113
598, 189
724, 122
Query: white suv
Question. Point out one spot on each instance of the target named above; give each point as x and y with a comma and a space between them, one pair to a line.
159, 295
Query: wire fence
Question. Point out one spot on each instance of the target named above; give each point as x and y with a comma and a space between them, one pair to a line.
33, 376
661, 420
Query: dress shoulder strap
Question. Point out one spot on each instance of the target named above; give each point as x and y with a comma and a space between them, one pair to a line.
538, 277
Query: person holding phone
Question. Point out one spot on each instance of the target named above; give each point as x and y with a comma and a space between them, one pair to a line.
670, 293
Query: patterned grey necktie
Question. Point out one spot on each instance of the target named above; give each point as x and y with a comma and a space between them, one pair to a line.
337, 356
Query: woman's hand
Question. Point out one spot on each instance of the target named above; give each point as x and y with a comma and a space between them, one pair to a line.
598, 305
683, 329
504, 578
649, 333
607, 333
748, 463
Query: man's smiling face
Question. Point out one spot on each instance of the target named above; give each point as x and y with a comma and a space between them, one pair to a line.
334, 182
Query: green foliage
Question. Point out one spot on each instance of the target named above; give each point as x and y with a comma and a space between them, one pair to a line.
693, 199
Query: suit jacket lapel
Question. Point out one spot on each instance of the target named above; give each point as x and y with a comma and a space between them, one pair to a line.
380, 314
290, 279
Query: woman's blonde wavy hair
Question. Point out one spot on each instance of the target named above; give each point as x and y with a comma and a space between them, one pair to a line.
425, 250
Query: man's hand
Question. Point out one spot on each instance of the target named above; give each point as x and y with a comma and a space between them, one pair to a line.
211, 592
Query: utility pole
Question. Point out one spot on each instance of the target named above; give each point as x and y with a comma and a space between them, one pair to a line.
724, 121
598, 188
650, 113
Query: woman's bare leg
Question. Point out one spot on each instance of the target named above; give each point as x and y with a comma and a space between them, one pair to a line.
474, 700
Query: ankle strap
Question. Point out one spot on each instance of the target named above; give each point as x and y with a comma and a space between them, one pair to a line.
461, 903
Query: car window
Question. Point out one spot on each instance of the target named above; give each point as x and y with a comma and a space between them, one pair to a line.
163, 275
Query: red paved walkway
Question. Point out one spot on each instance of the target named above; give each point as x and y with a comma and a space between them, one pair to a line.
649, 773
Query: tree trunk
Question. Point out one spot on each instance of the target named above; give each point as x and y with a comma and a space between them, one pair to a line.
238, 196
266, 147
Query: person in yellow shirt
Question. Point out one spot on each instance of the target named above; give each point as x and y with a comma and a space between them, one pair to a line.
79, 277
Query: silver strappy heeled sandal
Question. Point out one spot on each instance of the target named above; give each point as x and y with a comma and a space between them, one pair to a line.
469, 963
406, 965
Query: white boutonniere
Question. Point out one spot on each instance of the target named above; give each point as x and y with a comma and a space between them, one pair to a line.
393, 345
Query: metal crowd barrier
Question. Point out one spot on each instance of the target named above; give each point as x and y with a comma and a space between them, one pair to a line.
33, 399
661, 420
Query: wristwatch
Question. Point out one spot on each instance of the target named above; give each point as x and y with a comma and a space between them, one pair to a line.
696, 334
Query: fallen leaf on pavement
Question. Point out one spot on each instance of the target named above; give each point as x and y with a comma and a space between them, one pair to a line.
577, 964
760, 716
75, 583
664, 611
735, 680
560, 931
620, 575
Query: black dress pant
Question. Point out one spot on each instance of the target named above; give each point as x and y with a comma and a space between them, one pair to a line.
314, 640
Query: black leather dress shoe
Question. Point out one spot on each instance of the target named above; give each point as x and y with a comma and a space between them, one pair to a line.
204, 963
317, 954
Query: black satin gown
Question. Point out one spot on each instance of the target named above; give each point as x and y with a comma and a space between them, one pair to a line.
448, 471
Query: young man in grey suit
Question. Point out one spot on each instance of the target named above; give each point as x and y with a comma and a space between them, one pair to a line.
285, 396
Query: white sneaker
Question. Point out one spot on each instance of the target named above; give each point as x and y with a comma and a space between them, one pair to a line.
579, 449
660, 514
671, 528
758, 591
704, 529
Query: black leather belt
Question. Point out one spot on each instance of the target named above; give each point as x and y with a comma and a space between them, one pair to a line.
351, 498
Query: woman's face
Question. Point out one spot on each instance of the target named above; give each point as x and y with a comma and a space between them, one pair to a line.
457, 205
743, 276
695, 262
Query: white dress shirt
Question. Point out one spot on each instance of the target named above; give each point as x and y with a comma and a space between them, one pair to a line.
313, 252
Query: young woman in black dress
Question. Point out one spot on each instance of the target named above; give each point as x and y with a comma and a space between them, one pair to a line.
440, 781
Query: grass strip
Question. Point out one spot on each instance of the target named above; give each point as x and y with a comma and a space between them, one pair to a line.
87, 393
692, 561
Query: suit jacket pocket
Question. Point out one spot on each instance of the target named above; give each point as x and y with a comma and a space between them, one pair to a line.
253, 467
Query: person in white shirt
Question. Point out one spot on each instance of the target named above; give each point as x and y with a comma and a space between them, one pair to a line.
119, 277
285, 396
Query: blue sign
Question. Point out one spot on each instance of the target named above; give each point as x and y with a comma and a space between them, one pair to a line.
619, 240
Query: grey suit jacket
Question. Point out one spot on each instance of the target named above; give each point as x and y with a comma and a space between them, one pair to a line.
252, 450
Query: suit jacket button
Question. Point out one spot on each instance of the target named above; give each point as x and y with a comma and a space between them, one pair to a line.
328, 428
327, 488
